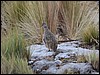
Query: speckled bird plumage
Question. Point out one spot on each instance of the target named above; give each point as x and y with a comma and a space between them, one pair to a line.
49, 38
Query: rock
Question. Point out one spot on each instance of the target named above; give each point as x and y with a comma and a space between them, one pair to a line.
72, 71
64, 61
81, 68
30, 62
95, 73
61, 55
58, 62
43, 55
86, 69
38, 66
52, 70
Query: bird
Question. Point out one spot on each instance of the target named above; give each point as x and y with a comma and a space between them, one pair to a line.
49, 38
62, 33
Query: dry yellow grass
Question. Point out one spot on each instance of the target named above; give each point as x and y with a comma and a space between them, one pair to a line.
93, 58
29, 15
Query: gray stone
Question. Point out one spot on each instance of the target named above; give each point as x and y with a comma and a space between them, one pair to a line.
62, 62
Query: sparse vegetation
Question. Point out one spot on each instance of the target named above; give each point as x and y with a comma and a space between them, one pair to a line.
81, 59
93, 58
72, 71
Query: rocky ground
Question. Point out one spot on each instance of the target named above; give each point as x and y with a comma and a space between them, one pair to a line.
64, 61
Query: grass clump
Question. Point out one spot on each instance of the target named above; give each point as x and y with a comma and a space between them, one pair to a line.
81, 59
14, 65
71, 71
14, 54
93, 58
79, 14
90, 35
14, 44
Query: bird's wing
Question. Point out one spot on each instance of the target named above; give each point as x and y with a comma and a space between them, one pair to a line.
44, 40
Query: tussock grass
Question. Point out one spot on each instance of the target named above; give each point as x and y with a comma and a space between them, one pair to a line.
93, 58
29, 16
14, 44
14, 55
14, 65
78, 14
90, 34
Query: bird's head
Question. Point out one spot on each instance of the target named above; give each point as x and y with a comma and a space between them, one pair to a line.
44, 25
